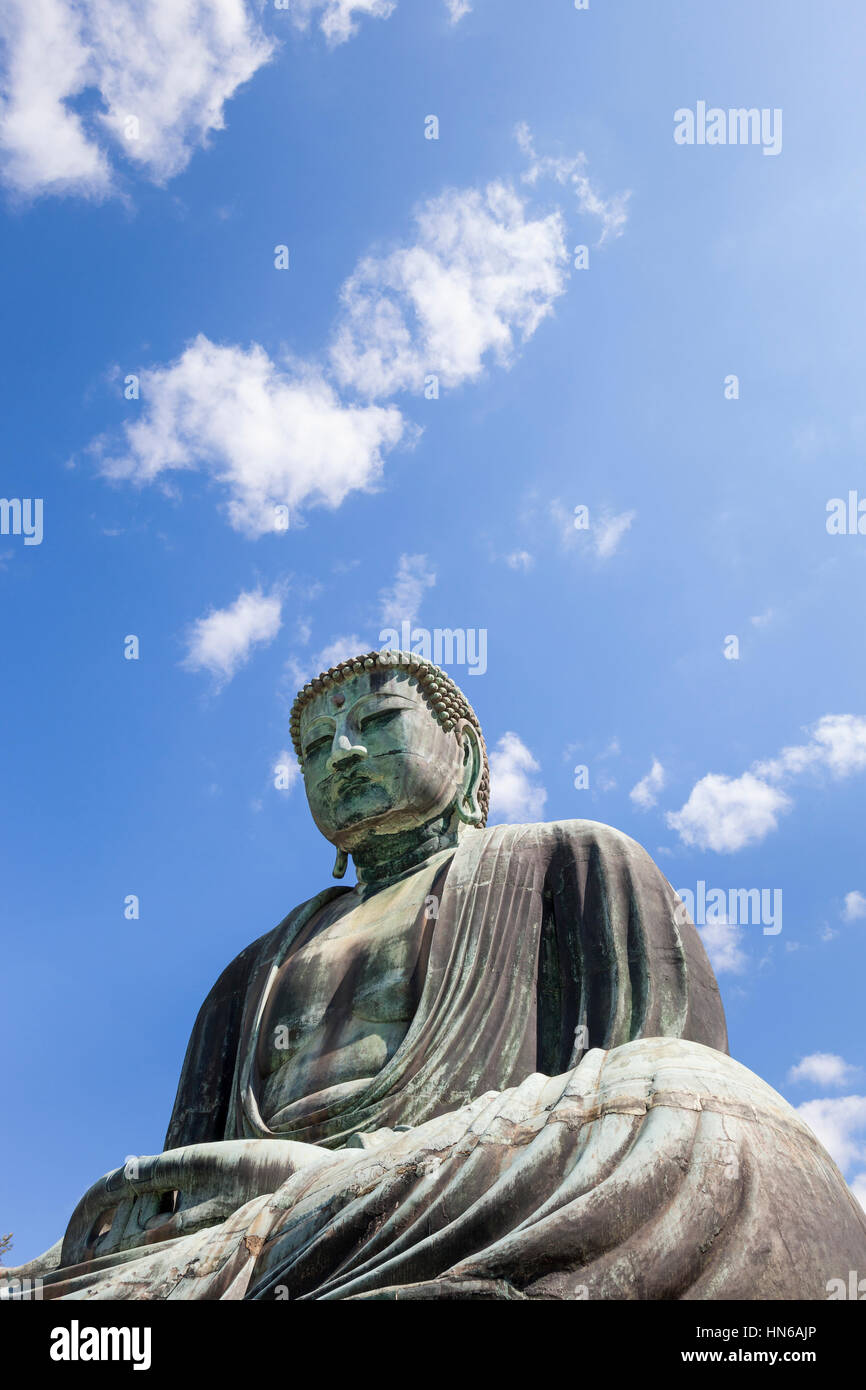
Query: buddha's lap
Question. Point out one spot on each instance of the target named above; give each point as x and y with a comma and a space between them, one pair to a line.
655, 1130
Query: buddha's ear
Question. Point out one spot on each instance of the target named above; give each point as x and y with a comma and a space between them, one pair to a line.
468, 807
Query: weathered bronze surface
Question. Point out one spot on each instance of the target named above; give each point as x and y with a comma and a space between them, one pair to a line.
496, 1068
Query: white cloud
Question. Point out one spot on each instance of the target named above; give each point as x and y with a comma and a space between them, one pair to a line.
403, 602
223, 641
170, 64
837, 1122
611, 212
603, 532
563, 519
479, 278
824, 1069
855, 907
270, 436
837, 744
608, 531
762, 619
337, 19
728, 813
519, 560
645, 792
515, 796
723, 944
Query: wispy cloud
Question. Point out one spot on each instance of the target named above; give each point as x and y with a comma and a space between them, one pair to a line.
611, 212
601, 531
398, 602
723, 942
338, 19
402, 602
223, 641
763, 619
645, 792
609, 531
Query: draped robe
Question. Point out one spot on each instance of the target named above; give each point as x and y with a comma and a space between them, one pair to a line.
561, 1121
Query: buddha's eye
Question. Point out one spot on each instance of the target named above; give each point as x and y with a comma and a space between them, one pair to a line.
315, 745
379, 716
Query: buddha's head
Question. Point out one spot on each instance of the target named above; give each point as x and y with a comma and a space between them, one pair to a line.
387, 744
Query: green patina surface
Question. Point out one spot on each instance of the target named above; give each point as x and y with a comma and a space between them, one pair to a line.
495, 1067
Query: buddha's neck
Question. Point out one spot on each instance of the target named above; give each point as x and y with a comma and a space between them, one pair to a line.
390, 856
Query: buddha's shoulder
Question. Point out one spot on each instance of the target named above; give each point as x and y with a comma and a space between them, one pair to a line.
548, 836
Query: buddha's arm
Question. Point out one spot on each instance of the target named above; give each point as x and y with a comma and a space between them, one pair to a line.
180, 1191
202, 1102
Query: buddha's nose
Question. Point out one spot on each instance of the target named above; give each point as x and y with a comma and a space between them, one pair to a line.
345, 753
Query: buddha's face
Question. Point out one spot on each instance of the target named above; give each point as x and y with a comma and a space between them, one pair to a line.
375, 760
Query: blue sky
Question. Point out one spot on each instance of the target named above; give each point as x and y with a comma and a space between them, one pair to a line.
152, 255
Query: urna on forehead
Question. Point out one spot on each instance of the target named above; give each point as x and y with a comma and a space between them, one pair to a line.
357, 686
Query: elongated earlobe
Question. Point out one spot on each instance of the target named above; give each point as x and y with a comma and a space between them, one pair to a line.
467, 806
340, 864
469, 813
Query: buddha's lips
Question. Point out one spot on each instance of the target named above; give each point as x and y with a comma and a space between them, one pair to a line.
348, 781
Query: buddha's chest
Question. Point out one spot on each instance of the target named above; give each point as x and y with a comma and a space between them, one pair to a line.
360, 974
